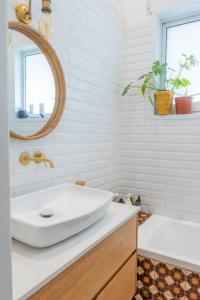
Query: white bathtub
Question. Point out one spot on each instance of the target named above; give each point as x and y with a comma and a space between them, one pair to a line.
171, 241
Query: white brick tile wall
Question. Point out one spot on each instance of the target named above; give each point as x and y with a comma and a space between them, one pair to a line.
161, 155
112, 143
89, 39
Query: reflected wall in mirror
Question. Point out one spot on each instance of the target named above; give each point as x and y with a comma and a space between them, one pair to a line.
36, 84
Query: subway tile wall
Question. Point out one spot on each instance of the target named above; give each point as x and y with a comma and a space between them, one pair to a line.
89, 40
112, 143
161, 155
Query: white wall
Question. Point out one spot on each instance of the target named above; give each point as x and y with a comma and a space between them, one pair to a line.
161, 157
135, 10
88, 37
5, 252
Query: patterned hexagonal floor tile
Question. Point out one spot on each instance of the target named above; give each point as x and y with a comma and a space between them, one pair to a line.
160, 281
192, 286
160, 296
145, 294
145, 265
137, 297
145, 282
170, 280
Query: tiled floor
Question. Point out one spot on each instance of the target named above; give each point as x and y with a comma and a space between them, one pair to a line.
159, 281
143, 217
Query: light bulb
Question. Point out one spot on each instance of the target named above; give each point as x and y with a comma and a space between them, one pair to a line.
46, 25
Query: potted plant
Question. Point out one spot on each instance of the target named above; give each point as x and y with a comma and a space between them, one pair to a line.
161, 83
155, 83
180, 84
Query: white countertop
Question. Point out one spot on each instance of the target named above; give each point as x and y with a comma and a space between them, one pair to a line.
33, 268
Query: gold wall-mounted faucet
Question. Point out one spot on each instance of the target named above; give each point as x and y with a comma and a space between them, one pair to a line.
38, 157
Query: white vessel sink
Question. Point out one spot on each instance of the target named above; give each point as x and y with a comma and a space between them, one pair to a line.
44, 218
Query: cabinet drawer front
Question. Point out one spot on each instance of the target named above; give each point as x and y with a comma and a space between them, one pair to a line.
85, 278
123, 285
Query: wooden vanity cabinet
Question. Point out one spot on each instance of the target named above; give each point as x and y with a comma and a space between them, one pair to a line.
107, 272
123, 285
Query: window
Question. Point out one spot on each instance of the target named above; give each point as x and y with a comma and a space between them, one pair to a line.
182, 37
36, 82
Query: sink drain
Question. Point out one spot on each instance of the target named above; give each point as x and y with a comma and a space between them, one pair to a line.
46, 213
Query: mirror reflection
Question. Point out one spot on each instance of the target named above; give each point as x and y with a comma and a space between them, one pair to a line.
31, 86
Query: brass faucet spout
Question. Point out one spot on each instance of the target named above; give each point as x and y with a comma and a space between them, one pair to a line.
50, 162
44, 160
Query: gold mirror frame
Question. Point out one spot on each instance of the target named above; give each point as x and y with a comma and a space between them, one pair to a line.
59, 78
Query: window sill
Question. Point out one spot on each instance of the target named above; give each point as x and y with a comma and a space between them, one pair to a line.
193, 116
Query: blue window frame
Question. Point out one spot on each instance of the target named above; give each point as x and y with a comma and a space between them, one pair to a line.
182, 36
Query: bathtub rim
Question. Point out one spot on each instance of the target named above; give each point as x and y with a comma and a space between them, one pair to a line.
157, 254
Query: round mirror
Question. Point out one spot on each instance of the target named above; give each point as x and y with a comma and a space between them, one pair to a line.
36, 84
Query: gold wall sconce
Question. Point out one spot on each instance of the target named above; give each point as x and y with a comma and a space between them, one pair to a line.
24, 15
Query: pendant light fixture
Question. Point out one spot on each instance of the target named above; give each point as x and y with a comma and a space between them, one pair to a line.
24, 15
46, 20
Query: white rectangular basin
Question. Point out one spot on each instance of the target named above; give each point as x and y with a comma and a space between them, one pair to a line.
46, 217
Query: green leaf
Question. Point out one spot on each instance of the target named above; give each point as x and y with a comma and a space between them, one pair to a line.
126, 90
188, 62
151, 101
143, 89
179, 83
158, 68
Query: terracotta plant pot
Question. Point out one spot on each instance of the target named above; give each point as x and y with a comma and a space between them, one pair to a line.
164, 100
183, 105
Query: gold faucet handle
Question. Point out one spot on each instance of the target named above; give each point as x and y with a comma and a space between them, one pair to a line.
25, 158
80, 182
40, 155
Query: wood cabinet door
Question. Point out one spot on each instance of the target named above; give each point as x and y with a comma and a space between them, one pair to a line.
123, 285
